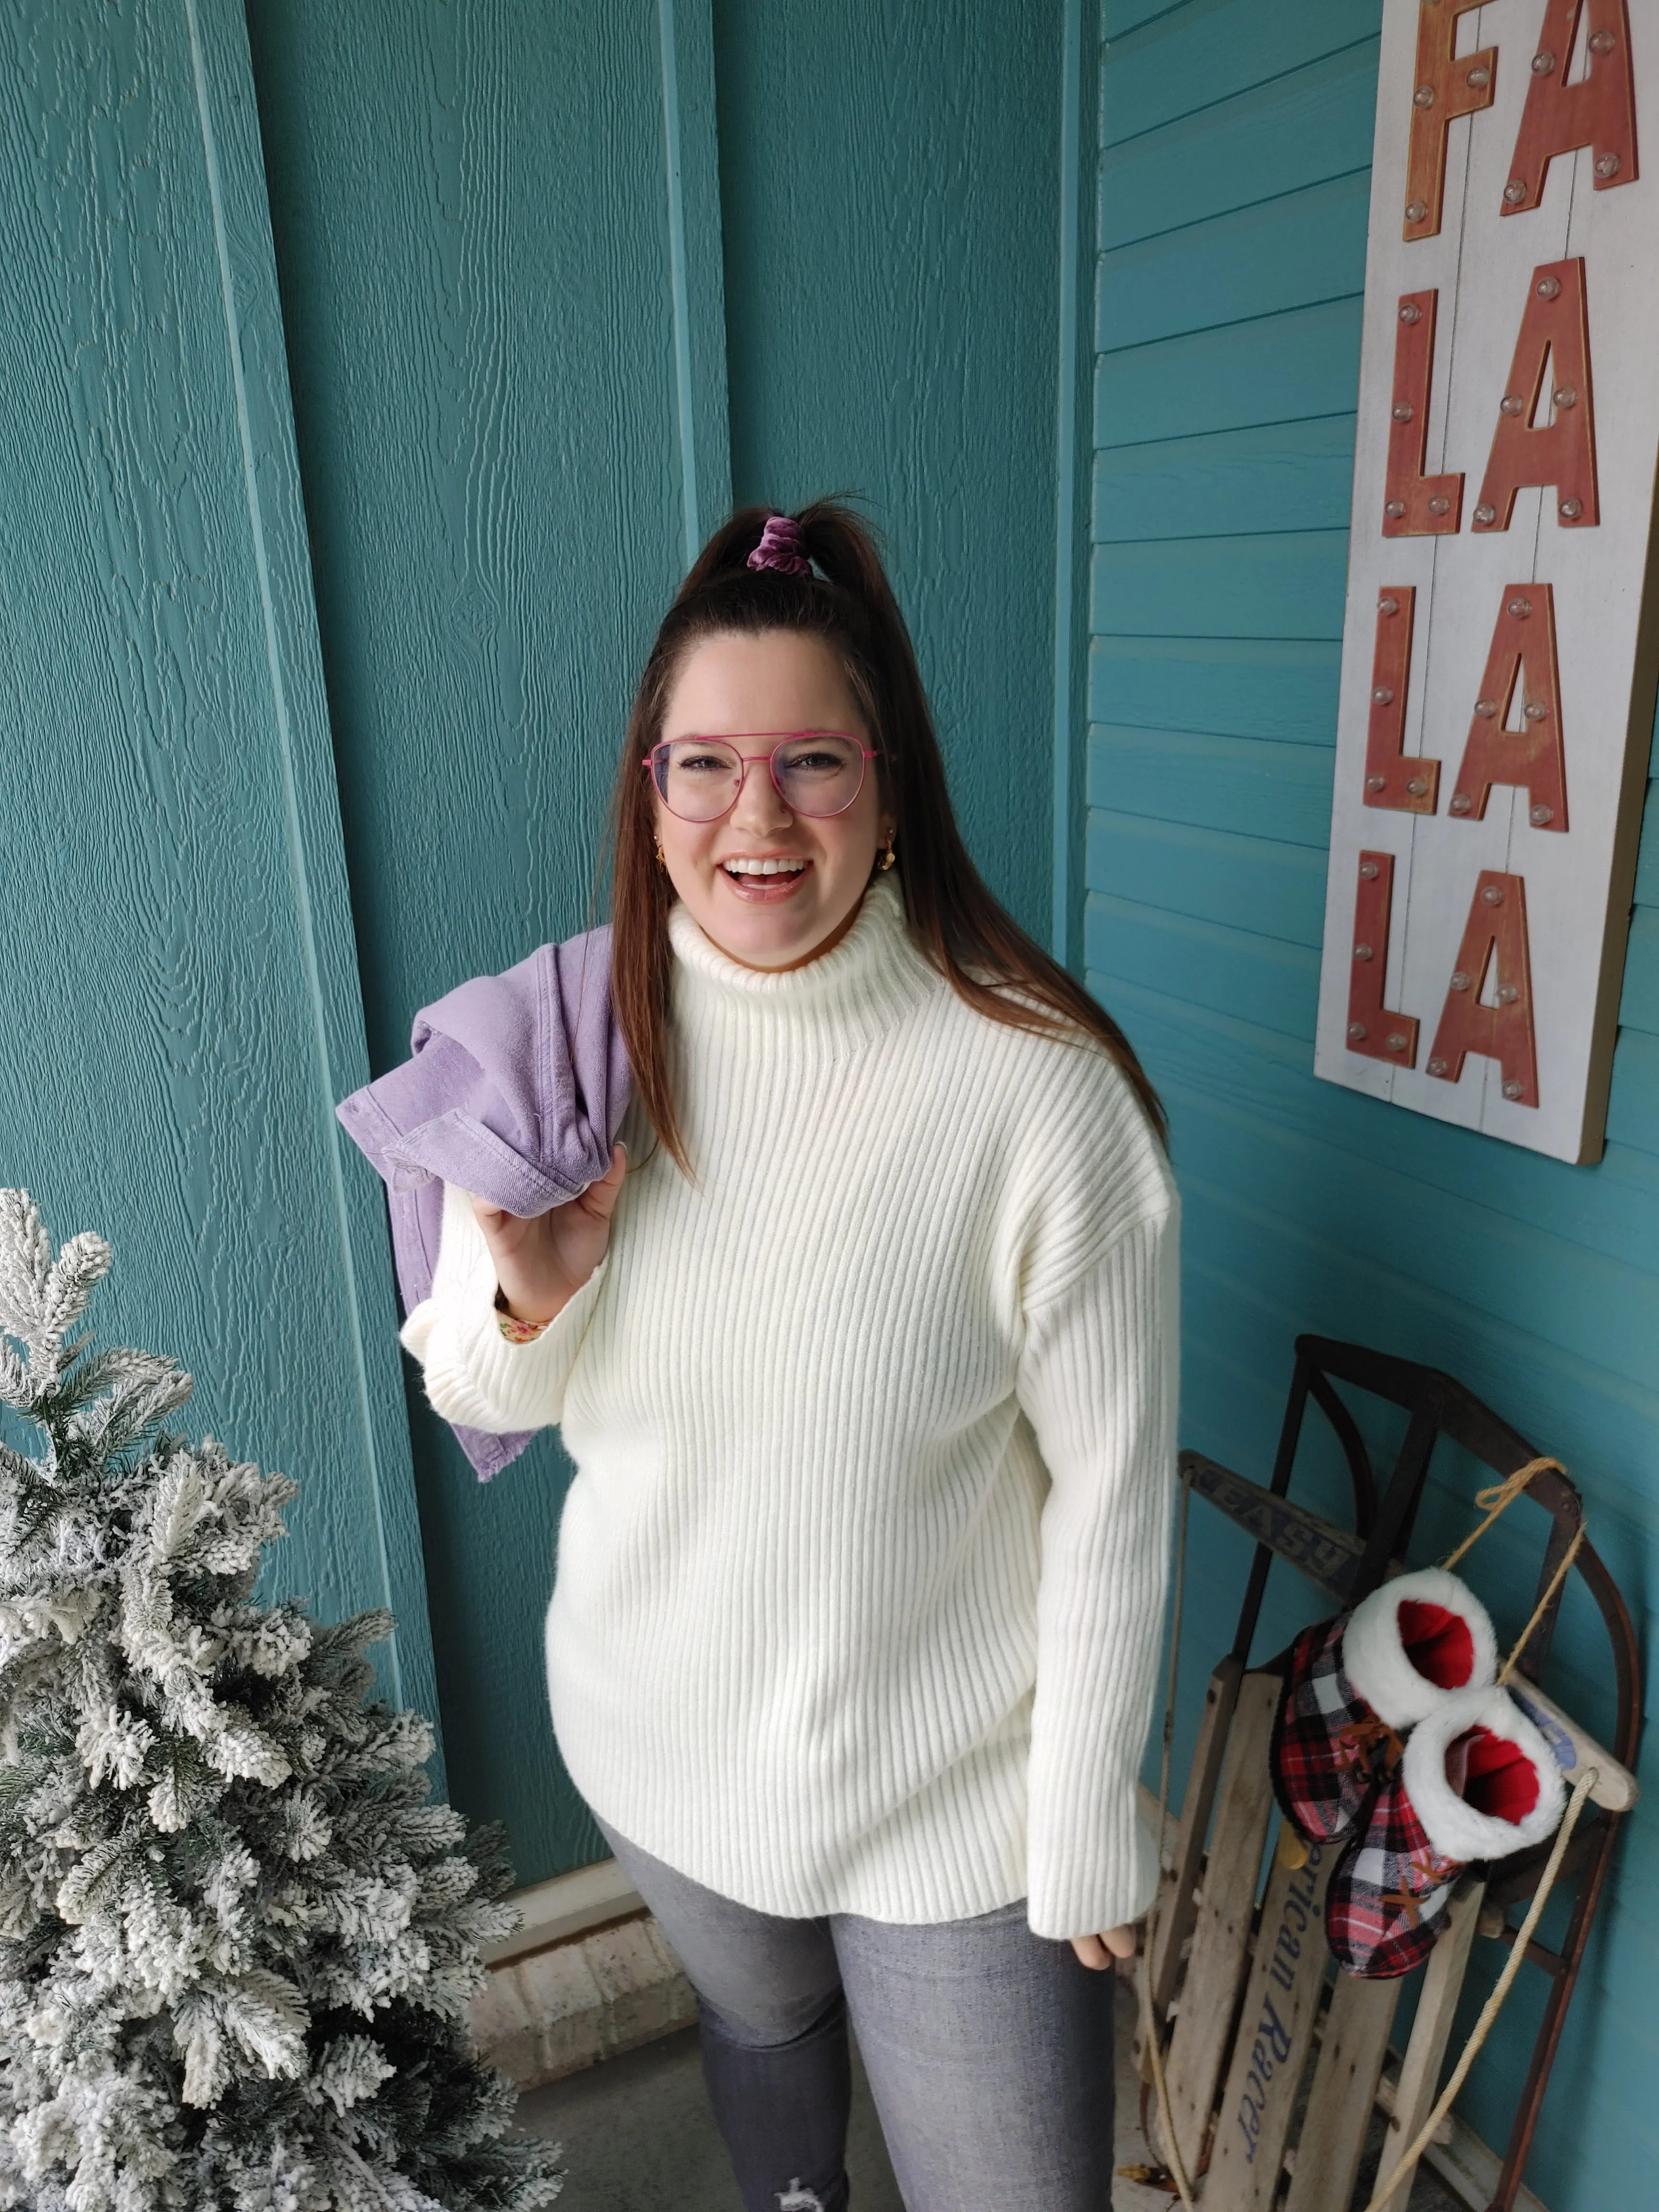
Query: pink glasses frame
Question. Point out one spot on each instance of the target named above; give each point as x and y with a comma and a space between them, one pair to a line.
779, 737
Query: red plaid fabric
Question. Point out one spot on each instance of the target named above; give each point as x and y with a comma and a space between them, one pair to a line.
1387, 1901
1329, 1750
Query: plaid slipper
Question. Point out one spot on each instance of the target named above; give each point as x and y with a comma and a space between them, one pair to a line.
1354, 1684
1477, 1781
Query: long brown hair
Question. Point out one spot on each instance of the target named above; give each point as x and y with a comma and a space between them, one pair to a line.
979, 948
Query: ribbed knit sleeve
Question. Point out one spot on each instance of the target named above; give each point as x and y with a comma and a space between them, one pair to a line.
473, 1374
1098, 1380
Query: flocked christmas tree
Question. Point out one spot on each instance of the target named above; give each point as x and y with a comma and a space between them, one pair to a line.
235, 1941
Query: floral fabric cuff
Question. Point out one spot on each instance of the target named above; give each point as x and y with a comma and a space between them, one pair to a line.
514, 1330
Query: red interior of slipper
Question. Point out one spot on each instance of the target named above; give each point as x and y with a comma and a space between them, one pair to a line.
1499, 1779
1437, 1642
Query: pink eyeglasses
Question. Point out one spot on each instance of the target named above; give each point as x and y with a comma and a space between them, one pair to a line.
814, 772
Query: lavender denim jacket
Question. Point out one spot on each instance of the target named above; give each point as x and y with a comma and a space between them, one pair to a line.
515, 1090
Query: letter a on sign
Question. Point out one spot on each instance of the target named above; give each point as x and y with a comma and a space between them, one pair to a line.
1446, 86
1598, 111
1523, 649
1555, 335
1494, 939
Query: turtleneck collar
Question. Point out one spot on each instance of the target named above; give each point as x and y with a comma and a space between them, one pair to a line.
863, 985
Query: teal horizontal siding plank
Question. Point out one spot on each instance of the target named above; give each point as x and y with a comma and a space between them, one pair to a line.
1248, 785
1611, 1208
1249, 883
1282, 688
1275, 370
1119, 17
1647, 866
1638, 1009
1287, 476
1211, 50
1278, 137
1261, 979
1289, 253
1633, 1107
1252, 586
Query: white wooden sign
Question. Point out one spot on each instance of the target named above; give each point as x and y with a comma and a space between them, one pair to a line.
1499, 648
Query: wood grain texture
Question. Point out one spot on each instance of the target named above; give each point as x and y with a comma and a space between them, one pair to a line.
176, 888
470, 212
1217, 431
1343, 2094
889, 197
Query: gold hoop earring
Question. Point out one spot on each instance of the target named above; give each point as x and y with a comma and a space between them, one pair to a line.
886, 860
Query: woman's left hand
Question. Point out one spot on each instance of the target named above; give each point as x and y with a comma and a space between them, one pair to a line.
1099, 1951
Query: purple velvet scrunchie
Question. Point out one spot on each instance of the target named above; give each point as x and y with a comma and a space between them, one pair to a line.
781, 547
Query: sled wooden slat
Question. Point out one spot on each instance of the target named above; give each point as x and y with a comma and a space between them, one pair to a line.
1349, 2067
1177, 1909
1275, 2033
1221, 1933
1420, 2075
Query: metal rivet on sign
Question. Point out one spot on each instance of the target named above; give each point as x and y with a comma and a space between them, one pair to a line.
1423, 96
1515, 191
1485, 709
1416, 786
1519, 609
1479, 78
1603, 42
1507, 994
1415, 211
1439, 503
1356, 1030
1382, 696
1565, 396
1403, 412
1368, 869
1484, 514
1361, 952
1375, 783
1535, 713
1396, 1043
1460, 802
1542, 62
1512, 1088
1436, 1067
1549, 287
1460, 981
1540, 815
1388, 606
1491, 895
1607, 165
1409, 310
1511, 404
1571, 509
1393, 507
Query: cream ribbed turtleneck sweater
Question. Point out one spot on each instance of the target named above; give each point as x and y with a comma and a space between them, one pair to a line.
861, 1576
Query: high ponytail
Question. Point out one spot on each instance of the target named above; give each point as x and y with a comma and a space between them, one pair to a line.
983, 953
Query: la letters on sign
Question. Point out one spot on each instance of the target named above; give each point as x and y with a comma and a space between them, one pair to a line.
1499, 648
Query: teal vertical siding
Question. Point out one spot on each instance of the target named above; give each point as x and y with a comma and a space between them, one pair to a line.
1236, 136
179, 1006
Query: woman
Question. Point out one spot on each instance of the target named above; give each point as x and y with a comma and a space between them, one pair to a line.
866, 1361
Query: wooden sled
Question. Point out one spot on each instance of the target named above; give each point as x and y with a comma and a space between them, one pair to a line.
1275, 2063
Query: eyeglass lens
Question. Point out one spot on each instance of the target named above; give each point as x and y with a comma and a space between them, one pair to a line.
699, 778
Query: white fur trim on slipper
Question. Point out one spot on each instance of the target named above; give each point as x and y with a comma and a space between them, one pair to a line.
1374, 1655
1457, 1829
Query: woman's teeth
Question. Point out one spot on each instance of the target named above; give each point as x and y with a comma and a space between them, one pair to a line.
762, 867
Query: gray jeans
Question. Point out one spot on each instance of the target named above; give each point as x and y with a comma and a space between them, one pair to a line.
988, 2051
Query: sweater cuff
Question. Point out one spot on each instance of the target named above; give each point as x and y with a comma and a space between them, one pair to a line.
477, 1376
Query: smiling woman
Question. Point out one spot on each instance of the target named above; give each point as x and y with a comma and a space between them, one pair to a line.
868, 1365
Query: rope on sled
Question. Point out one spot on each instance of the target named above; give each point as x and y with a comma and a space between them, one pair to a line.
1404, 2165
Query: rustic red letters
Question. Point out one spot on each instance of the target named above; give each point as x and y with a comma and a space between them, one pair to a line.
1413, 505
1496, 932
1394, 777
1371, 1028
1599, 112
1523, 649
1555, 335
1445, 87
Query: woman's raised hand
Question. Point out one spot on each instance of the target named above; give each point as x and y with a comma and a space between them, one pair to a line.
543, 1262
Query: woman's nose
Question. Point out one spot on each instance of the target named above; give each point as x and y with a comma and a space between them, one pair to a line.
758, 805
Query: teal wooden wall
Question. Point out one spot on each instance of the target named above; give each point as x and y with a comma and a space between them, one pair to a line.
1234, 140
179, 1004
